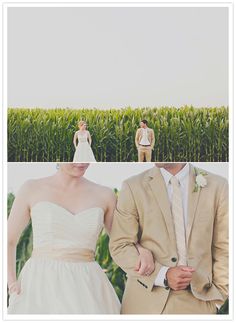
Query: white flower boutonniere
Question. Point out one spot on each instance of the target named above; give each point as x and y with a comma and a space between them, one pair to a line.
200, 180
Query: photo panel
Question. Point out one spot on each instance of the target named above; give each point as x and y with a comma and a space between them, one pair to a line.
105, 232
89, 88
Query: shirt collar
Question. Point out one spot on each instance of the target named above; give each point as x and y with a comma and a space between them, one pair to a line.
181, 175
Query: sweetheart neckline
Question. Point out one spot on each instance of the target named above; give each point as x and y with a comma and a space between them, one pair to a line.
60, 206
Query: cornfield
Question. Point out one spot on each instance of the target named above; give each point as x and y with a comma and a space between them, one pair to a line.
184, 134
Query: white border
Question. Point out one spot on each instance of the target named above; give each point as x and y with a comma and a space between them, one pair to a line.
131, 3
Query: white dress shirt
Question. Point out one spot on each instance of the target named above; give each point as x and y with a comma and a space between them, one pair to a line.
183, 177
144, 141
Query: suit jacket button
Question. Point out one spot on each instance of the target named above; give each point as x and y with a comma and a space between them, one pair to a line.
167, 288
173, 259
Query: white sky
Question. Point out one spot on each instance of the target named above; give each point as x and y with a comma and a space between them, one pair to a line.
116, 57
108, 174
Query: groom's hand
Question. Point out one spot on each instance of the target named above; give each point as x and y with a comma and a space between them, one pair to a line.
179, 277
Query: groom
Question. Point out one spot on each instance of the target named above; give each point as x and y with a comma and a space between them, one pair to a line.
144, 141
180, 213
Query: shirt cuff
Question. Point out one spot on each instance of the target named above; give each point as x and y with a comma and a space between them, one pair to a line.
159, 281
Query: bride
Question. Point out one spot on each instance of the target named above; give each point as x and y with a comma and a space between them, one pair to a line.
83, 151
68, 213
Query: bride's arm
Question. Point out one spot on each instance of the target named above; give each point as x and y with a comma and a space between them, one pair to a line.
18, 220
89, 138
74, 139
111, 197
145, 264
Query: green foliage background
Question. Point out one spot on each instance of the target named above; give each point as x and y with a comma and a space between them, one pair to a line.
115, 274
184, 134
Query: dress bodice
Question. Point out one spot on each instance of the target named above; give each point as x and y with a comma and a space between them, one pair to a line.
56, 227
82, 137
62, 275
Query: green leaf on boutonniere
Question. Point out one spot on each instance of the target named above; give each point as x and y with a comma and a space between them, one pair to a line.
196, 188
200, 182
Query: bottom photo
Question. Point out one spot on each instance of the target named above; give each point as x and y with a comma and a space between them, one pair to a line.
117, 238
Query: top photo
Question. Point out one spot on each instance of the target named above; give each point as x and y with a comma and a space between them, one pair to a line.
117, 83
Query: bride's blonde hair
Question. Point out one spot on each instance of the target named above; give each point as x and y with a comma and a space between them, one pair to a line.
81, 123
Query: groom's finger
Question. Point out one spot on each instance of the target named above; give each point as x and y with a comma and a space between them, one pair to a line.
185, 274
185, 281
188, 269
182, 286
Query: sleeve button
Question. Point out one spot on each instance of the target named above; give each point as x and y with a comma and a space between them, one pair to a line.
173, 259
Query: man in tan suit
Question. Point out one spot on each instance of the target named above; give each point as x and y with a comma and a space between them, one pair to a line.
179, 213
144, 141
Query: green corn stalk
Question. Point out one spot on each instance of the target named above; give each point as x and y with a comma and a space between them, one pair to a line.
182, 134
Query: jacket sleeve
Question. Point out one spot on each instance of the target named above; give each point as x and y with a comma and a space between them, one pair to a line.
124, 236
220, 243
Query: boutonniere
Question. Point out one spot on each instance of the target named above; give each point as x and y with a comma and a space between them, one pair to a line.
200, 180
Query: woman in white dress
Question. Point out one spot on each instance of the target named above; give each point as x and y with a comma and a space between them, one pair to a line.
68, 213
83, 150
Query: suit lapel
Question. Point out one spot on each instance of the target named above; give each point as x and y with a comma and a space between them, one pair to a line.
159, 191
193, 198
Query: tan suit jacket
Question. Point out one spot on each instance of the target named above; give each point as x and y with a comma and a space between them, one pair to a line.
151, 137
143, 215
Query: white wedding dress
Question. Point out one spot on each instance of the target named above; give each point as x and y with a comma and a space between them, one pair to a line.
83, 152
62, 277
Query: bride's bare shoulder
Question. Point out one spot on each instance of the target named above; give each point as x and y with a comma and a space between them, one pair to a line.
32, 185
